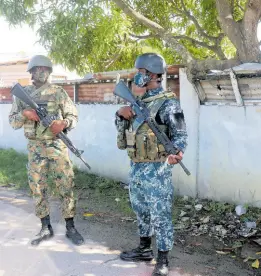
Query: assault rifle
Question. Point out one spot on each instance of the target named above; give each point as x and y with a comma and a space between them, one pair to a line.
46, 119
143, 114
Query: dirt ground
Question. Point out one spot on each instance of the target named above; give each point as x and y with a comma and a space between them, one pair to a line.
106, 233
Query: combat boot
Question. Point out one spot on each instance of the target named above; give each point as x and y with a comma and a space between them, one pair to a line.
45, 233
71, 232
142, 253
162, 264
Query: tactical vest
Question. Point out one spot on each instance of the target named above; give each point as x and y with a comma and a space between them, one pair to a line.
142, 144
44, 96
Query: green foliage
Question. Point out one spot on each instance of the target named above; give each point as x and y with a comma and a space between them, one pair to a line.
228, 48
104, 194
101, 194
101, 191
238, 9
13, 168
96, 35
17, 11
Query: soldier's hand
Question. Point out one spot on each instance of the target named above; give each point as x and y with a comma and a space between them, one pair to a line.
57, 126
126, 112
174, 159
31, 114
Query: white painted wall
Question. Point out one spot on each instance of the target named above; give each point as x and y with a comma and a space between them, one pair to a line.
223, 154
95, 134
224, 150
187, 185
230, 153
8, 137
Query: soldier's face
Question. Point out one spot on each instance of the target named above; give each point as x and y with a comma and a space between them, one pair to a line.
142, 78
40, 74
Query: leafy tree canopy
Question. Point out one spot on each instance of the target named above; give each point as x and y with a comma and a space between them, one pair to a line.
100, 35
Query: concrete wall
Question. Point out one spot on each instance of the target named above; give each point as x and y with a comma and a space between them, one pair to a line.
95, 134
187, 185
224, 149
229, 160
8, 137
223, 153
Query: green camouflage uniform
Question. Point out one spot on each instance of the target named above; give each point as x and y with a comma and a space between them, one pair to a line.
47, 155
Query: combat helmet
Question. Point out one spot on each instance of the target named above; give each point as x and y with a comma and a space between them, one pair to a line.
39, 60
152, 62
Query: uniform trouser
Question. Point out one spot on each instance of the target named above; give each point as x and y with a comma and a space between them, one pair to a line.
50, 157
151, 195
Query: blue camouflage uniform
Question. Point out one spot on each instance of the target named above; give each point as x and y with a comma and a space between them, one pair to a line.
150, 183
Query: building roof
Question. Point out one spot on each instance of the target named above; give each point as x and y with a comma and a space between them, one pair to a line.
14, 62
172, 70
242, 70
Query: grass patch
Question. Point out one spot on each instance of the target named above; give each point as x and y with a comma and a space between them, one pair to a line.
13, 168
98, 192
101, 193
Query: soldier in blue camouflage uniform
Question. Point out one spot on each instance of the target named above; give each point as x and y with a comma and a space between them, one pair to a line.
150, 179
46, 153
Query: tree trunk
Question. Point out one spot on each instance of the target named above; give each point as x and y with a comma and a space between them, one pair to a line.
248, 45
249, 30
242, 34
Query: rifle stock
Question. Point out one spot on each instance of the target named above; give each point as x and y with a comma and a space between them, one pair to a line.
20, 93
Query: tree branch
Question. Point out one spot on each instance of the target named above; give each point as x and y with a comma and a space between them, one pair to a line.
215, 48
113, 59
185, 12
232, 7
225, 17
242, 33
242, 9
156, 28
142, 36
203, 44
224, 12
194, 20
220, 37
252, 14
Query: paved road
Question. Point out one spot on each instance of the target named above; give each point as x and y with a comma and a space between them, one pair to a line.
58, 256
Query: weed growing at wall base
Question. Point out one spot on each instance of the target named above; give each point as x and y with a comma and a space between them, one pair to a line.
13, 170
92, 189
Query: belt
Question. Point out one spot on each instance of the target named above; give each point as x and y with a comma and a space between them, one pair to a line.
35, 139
162, 159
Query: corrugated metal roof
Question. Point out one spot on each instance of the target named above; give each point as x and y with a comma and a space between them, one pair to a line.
218, 90
238, 85
222, 91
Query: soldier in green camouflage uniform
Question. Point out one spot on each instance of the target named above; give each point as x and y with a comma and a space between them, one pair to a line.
47, 154
150, 180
